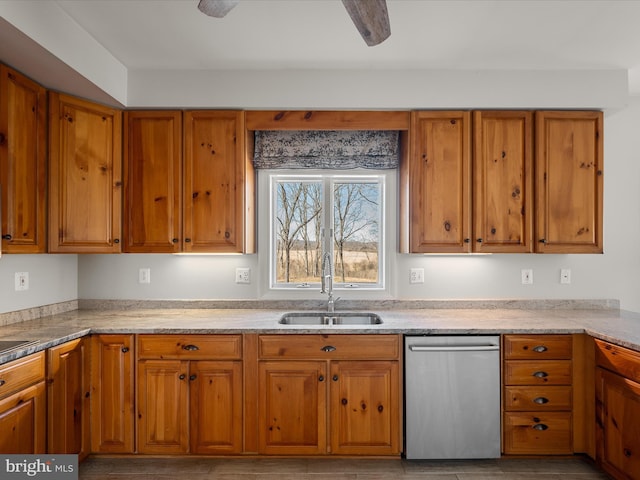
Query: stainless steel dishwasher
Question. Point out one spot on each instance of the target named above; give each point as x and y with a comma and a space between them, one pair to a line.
452, 397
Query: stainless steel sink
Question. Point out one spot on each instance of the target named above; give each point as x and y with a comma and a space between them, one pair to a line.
325, 318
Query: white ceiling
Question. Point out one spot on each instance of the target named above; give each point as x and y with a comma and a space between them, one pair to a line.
318, 34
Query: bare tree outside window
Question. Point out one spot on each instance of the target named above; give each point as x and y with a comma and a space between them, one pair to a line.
351, 210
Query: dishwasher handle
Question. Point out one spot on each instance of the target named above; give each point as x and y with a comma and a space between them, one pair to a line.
453, 348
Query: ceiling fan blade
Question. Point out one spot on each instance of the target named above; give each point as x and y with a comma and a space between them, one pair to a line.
216, 8
370, 18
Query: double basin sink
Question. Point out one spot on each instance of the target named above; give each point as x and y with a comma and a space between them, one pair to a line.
330, 318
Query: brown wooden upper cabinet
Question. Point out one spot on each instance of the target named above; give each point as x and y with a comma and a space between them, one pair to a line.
23, 157
153, 181
439, 182
502, 181
218, 183
569, 182
188, 183
554, 166
85, 183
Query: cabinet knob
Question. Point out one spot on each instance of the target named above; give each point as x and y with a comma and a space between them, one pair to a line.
2, 382
193, 377
321, 378
479, 240
182, 376
540, 400
540, 374
335, 378
190, 348
124, 349
627, 452
2, 138
542, 240
117, 240
227, 235
540, 426
174, 240
467, 240
539, 348
7, 237
187, 240
328, 348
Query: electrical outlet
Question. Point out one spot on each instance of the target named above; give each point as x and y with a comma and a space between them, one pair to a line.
416, 275
527, 276
22, 281
243, 275
565, 276
144, 275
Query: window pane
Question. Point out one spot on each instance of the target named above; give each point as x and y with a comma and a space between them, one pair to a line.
298, 227
356, 232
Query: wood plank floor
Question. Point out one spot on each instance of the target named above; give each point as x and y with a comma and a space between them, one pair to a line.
199, 468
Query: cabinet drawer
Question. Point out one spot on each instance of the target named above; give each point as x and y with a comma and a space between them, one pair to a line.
537, 346
546, 433
21, 373
537, 398
544, 372
621, 360
190, 347
311, 347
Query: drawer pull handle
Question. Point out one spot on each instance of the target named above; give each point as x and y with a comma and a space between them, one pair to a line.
540, 348
540, 426
2, 382
191, 348
328, 348
540, 400
540, 374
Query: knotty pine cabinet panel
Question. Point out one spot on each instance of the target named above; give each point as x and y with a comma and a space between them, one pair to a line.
503, 181
23, 160
152, 181
440, 182
218, 185
68, 394
618, 410
112, 394
85, 176
569, 181
23, 405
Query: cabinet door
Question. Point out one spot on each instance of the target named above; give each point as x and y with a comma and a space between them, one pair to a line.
440, 182
68, 398
112, 400
569, 182
163, 413
152, 181
23, 150
22, 421
618, 421
215, 390
502, 182
85, 181
214, 182
292, 408
364, 405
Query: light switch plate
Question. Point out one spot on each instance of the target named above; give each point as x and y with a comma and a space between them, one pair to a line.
22, 281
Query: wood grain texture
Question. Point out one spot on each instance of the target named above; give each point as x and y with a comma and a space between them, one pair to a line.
327, 120
23, 421
23, 163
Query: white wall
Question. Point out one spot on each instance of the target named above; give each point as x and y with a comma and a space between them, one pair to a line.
52, 279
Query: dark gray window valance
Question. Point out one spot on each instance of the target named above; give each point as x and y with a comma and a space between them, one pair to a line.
327, 149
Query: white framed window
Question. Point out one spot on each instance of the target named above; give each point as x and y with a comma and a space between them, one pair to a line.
342, 214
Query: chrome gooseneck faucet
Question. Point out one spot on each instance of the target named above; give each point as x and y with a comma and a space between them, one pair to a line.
327, 281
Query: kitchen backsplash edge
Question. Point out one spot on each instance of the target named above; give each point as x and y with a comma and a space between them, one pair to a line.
33, 313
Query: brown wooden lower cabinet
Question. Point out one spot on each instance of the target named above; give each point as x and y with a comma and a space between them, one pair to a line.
618, 410
324, 394
23, 405
186, 404
68, 408
112, 394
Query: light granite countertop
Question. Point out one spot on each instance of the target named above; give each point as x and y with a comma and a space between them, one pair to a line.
610, 324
